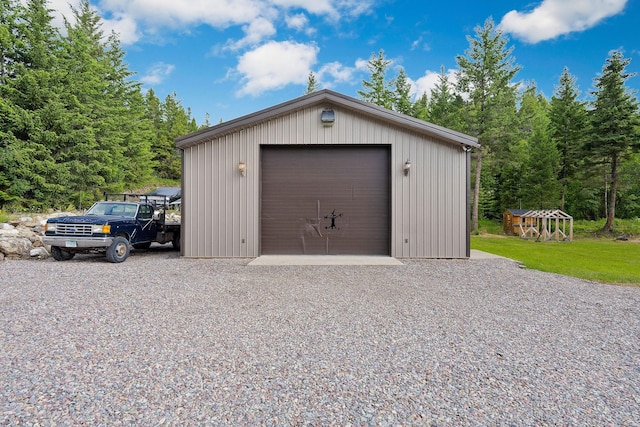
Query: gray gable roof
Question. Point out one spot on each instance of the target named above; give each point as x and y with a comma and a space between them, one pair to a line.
322, 97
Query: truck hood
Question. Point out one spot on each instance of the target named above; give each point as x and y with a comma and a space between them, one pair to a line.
90, 219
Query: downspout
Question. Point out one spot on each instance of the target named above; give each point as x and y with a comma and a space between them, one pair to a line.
468, 206
182, 203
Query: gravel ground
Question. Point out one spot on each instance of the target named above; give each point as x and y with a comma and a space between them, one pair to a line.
160, 340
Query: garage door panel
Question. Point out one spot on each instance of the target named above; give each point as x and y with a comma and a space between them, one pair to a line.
325, 200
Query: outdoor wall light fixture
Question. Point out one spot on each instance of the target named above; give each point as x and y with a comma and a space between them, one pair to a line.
327, 117
406, 167
242, 168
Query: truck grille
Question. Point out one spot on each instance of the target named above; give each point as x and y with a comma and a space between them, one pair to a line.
74, 229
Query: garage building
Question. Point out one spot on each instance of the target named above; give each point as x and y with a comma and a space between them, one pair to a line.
326, 174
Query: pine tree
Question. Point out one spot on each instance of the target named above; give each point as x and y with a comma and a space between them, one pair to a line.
161, 139
73, 122
445, 105
486, 72
178, 122
540, 187
106, 144
628, 201
378, 90
312, 84
169, 120
568, 126
421, 107
207, 122
30, 93
615, 127
402, 94
129, 118
9, 23
9, 11
87, 148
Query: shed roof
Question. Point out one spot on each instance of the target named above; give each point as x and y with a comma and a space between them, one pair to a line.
547, 213
518, 212
328, 97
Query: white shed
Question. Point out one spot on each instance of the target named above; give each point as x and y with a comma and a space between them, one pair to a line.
326, 174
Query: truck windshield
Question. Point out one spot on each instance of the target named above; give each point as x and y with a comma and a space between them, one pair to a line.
115, 209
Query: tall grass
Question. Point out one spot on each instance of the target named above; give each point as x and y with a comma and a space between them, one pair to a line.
621, 227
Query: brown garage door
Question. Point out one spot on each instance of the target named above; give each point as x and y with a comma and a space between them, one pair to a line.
325, 200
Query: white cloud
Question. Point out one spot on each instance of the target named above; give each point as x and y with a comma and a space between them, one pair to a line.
553, 18
318, 7
419, 43
157, 73
258, 30
269, 66
334, 9
255, 32
355, 7
298, 22
275, 65
133, 19
362, 64
61, 8
416, 43
183, 13
156, 14
124, 26
429, 81
335, 72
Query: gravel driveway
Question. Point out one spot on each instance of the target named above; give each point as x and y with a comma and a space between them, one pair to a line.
160, 340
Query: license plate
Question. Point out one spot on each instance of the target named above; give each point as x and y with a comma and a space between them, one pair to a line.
71, 244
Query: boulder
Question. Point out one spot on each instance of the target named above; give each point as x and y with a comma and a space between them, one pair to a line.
16, 247
39, 252
22, 238
28, 233
9, 231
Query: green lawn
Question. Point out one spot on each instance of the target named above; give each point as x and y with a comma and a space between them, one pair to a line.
603, 260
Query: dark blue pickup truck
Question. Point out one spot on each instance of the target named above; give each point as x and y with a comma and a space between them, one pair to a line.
113, 227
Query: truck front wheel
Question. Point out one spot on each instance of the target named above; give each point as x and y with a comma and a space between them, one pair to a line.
60, 254
175, 242
119, 250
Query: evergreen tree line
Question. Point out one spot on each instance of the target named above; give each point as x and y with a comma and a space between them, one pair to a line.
74, 123
564, 153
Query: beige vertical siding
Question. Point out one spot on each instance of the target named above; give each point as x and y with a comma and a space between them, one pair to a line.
428, 208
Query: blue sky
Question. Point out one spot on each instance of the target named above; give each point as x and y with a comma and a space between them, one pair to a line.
229, 58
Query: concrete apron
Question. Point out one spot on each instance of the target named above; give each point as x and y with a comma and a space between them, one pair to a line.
344, 259
324, 260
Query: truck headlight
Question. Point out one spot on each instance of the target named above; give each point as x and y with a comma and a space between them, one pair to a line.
50, 227
101, 229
